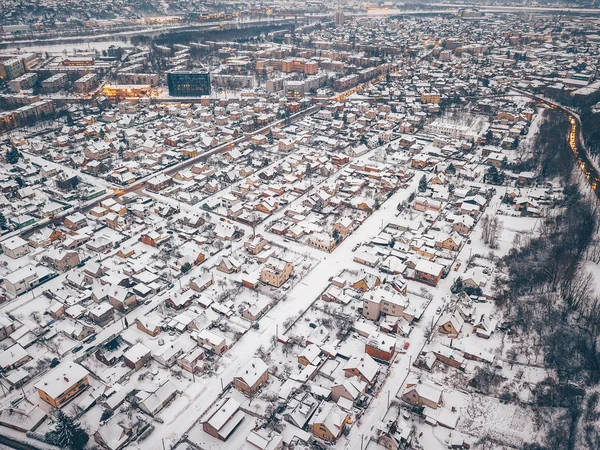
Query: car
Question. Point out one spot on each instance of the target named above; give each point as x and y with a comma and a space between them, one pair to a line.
76, 349
55, 362
312, 325
439, 310
90, 339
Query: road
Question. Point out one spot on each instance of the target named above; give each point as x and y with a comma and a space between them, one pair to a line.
298, 300
575, 140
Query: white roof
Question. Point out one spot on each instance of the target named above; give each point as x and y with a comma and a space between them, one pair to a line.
366, 365
59, 380
252, 371
137, 352
12, 355
429, 267
14, 243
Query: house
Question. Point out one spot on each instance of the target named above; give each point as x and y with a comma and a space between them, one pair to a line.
428, 272
111, 352
62, 260
310, 355
15, 247
75, 221
349, 388
114, 434
263, 439
463, 225
328, 422
192, 361
181, 300
137, 356
13, 357
63, 383
484, 327
422, 393
255, 311
449, 242
154, 238
7, 326
167, 355
427, 204
251, 377
367, 258
394, 434
343, 226
364, 282
384, 301
224, 417
153, 402
448, 355
299, 408
25, 279
202, 283
150, 324
255, 245
276, 271
76, 330
362, 366
44, 237
321, 241
213, 342
451, 324
159, 182
229, 265
381, 346
102, 313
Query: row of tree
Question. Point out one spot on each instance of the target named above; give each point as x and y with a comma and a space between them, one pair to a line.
550, 300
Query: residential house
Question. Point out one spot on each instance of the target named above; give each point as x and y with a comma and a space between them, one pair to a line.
137, 356
63, 383
362, 366
223, 418
276, 271
15, 247
328, 422
251, 377
422, 393
451, 324
381, 346
213, 342
428, 272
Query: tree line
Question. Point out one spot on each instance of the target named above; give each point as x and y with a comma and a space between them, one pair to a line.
549, 296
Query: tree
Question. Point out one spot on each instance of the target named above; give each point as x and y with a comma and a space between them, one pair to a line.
493, 176
451, 169
12, 156
186, 267
2, 221
67, 433
309, 171
423, 184
336, 235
